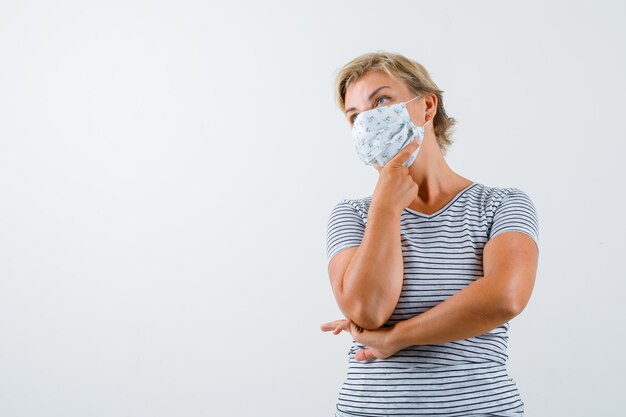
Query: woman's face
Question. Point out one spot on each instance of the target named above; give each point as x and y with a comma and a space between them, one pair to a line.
376, 89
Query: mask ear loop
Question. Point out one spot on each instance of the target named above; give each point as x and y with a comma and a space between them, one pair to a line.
412, 99
424, 130
416, 97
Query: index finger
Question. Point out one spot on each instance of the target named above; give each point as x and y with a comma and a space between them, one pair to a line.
405, 153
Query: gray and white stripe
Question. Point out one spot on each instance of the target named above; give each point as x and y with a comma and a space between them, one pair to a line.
442, 254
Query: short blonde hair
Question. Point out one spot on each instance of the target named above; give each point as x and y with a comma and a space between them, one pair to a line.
398, 66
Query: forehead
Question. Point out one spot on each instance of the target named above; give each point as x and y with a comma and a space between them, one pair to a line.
359, 90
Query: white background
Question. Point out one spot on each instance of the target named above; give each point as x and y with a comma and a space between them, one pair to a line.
167, 169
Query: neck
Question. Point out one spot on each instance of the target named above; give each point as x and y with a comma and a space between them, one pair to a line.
436, 180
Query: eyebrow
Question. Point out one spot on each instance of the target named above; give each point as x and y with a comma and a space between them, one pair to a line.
370, 97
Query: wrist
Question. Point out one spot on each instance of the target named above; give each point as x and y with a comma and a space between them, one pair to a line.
381, 210
399, 336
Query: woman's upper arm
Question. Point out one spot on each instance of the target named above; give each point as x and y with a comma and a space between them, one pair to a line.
510, 257
510, 260
345, 230
336, 270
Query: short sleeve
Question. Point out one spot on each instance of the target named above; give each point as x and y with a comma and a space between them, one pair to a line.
516, 212
345, 228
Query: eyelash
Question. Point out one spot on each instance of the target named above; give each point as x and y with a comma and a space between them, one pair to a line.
356, 114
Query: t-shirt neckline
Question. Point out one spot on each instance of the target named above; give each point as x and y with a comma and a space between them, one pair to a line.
444, 208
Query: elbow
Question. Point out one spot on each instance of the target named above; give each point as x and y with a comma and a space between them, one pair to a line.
365, 312
360, 314
508, 301
364, 318
354, 311
512, 307
366, 323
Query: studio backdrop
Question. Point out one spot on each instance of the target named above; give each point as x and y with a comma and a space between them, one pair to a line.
167, 171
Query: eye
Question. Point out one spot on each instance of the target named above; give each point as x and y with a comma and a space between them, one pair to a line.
378, 100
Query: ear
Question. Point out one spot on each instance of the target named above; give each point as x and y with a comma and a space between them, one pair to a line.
378, 168
431, 105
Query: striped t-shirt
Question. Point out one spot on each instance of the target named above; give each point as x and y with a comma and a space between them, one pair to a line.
442, 254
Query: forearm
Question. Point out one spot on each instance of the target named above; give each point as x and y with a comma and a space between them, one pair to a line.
476, 309
373, 280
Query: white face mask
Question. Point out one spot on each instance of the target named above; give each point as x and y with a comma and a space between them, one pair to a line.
380, 133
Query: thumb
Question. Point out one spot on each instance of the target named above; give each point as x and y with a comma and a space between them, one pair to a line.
364, 355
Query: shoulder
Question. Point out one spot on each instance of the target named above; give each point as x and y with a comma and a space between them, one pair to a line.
358, 205
513, 209
492, 197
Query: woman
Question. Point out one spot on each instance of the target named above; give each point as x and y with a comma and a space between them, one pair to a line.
430, 268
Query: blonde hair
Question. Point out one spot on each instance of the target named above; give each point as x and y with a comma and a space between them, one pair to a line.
398, 66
